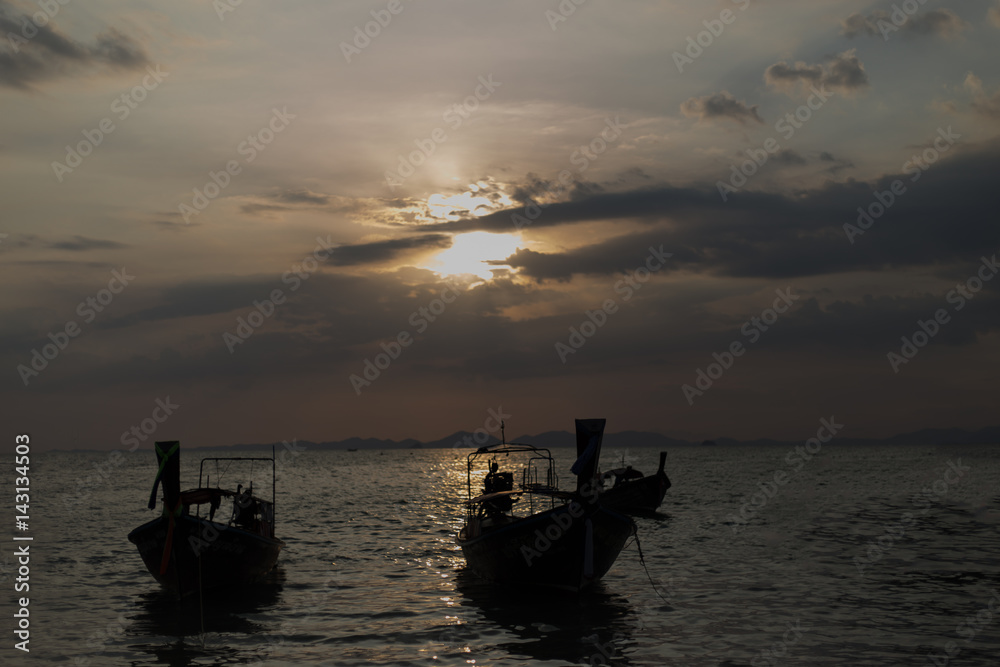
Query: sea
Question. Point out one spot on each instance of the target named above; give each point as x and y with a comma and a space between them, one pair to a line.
772, 555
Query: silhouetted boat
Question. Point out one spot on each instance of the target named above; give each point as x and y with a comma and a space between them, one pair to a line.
188, 552
531, 533
632, 491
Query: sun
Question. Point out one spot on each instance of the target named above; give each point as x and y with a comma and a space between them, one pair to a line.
469, 253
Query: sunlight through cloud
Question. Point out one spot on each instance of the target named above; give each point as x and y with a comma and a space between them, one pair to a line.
470, 253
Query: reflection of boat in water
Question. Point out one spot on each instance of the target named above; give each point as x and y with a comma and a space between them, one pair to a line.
534, 534
242, 625
632, 491
595, 627
187, 552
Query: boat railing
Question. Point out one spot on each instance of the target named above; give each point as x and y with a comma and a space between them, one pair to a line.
249, 512
530, 484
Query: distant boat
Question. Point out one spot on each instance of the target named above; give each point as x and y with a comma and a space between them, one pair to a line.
352, 450
527, 532
632, 491
187, 552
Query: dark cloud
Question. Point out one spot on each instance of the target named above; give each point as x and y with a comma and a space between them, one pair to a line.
721, 105
174, 225
261, 209
74, 243
196, 299
301, 196
945, 216
788, 157
80, 243
935, 23
617, 255
291, 200
47, 53
381, 251
844, 73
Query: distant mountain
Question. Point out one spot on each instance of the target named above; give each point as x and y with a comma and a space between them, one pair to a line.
463, 439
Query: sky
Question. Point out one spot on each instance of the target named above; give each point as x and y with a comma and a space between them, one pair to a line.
229, 222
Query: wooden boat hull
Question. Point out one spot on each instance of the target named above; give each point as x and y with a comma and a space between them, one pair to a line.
638, 495
204, 551
551, 548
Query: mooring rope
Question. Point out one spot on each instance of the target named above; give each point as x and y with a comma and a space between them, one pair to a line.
642, 561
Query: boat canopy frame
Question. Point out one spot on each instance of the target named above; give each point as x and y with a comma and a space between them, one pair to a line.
201, 470
529, 484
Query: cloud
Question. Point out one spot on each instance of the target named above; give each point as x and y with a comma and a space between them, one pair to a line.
720, 105
381, 251
49, 54
616, 255
856, 25
843, 72
938, 23
196, 299
82, 243
775, 235
292, 199
301, 196
787, 157
985, 104
934, 23
74, 243
262, 209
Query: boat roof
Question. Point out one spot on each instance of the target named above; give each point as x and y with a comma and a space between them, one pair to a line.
502, 447
540, 490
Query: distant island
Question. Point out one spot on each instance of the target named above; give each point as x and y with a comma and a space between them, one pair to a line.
463, 439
